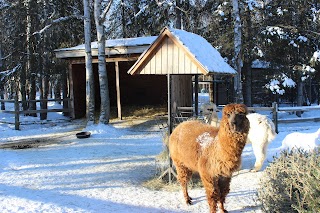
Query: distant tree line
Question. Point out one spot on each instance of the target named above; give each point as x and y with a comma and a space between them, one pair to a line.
30, 30
283, 33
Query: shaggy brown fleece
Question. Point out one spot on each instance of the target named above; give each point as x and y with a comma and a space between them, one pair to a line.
213, 152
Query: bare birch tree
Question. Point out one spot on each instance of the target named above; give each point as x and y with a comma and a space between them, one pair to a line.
237, 52
90, 94
100, 17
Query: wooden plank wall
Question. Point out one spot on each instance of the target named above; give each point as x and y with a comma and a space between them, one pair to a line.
169, 58
181, 90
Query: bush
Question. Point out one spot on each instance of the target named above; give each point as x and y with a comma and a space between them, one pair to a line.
292, 183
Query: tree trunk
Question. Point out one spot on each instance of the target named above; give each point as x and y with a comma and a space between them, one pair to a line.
2, 90
44, 96
90, 96
178, 15
123, 21
57, 89
248, 83
249, 45
23, 76
103, 78
237, 52
299, 96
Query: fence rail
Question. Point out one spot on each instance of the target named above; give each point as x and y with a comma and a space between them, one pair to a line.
274, 109
19, 112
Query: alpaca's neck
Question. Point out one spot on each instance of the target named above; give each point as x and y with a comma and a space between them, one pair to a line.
231, 142
228, 148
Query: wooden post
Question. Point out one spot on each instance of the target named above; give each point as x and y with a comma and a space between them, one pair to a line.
17, 111
275, 115
118, 90
196, 95
215, 90
71, 92
170, 170
169, 104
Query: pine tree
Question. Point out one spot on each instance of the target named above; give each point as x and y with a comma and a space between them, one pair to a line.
291, 41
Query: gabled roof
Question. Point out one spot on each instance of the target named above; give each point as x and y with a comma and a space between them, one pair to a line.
123, 46
180, 52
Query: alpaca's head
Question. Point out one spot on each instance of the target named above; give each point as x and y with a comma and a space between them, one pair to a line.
234, 116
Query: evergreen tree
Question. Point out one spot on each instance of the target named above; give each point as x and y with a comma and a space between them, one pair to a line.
290, 41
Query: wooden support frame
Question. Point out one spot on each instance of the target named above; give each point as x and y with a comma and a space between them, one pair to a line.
71, 92
118, 90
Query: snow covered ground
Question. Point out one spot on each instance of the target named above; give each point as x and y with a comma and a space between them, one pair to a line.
104, 173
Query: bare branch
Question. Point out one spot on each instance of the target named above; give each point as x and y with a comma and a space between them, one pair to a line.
170, 4
5, 57
105, 11
57, 21
9, 72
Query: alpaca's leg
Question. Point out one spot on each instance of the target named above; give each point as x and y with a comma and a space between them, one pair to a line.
224, 186
259, 151
184, 175
211, 187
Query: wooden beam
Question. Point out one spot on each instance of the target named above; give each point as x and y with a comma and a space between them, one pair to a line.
71, 92
118, 90
108, 60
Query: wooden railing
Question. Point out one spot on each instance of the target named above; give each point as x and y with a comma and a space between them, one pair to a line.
19, 112
274, 110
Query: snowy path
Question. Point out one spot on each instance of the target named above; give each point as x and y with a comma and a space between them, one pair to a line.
105, 174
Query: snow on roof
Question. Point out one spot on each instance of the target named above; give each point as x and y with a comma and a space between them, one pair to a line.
205, 58
122, 42
203, 51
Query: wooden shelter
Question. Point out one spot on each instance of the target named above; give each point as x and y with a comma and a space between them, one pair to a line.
154, 62
124, 89
179, 53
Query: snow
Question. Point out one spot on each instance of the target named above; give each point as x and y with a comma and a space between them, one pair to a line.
104, 173
316, 55
305, 141
260, 64
205, 140
288, 82
122, 42
203, 51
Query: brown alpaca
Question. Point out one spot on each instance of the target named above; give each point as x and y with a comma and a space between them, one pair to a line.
213, 152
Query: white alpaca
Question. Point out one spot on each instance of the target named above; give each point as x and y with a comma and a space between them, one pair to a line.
305, 141
209, 111
261, 133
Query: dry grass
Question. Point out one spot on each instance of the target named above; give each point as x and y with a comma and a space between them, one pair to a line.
163, 184
130, 112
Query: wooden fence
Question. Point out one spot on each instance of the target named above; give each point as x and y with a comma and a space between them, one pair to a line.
19, 112
274, 110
